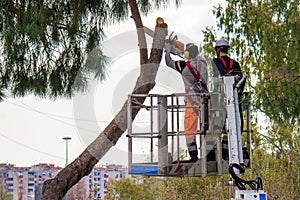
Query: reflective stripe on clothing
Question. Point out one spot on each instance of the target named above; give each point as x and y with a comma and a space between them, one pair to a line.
190, 122
192, 148
191, 144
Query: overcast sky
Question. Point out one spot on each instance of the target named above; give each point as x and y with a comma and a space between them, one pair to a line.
31, 129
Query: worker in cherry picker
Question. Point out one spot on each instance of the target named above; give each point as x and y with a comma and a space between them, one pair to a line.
223, 65
194, 74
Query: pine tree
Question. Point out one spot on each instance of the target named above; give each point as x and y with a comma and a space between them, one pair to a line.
47, 47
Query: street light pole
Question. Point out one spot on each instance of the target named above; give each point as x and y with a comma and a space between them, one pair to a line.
66, 139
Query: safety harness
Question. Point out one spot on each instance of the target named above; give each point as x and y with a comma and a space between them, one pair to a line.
228, 69
196, 76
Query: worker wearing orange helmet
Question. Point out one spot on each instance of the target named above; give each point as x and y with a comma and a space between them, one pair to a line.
194, 75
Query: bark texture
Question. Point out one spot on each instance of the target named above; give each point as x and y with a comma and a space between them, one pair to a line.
56, 188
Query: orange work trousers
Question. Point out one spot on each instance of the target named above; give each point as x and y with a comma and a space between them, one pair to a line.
190, 122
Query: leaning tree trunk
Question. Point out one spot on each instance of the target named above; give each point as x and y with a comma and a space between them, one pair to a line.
56, 188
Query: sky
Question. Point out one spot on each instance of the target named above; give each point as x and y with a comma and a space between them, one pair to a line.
31, 128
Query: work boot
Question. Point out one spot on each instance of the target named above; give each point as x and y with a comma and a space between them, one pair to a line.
192, 147
211, 156
225, 153
193, 155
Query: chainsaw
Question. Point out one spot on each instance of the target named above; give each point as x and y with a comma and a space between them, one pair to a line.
175, 46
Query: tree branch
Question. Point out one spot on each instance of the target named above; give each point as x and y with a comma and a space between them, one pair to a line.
140, 32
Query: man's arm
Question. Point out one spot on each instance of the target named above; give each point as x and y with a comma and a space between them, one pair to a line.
177, 65
240, 74
204, 72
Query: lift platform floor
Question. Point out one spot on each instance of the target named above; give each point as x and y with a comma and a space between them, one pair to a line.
176, 168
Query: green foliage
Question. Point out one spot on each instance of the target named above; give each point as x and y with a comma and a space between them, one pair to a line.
50, 48
281, 180
5, 195
264, 37
280, 173
128, 188
45, 45
169, 188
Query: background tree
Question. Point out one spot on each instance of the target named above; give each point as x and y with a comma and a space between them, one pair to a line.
265, 38
128, 188
171, 188
79, 191
5, 196
279, 183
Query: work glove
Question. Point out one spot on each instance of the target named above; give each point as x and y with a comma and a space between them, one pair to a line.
168, 47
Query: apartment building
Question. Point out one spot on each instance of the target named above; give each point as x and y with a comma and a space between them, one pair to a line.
25, 183
98, 179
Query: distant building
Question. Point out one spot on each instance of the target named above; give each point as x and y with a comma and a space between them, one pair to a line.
25, 183
99, 177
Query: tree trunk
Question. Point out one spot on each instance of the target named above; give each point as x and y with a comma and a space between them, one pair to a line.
56, 188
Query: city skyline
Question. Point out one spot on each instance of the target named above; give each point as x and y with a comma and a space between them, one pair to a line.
26, 182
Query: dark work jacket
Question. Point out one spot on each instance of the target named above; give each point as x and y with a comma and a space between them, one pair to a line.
220, 70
